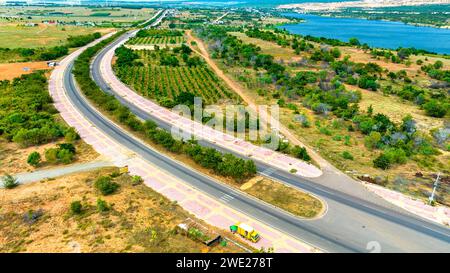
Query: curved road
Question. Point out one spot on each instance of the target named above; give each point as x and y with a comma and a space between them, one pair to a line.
351, 222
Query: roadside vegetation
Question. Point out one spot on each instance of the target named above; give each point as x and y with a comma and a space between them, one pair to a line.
30, 120
226, 165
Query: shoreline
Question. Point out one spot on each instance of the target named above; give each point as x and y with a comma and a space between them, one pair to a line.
337, 15
314, 6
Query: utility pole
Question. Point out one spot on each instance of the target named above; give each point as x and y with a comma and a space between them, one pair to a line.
434, 188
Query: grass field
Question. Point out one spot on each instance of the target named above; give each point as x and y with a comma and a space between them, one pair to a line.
278, 52
74, 14
19, 36
157, 41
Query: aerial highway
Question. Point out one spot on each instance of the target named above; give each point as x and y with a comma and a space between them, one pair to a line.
351, 224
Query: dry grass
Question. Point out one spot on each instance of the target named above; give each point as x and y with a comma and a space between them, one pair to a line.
140, 219
289, 199
15, 36
396, 108
278, 52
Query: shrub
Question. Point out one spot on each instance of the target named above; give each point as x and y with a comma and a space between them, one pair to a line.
301, 153
395, 155
76, 207
34, 159
9, 181
65, 153
71, 135
382, 162
136, 180
51, 155
371, 141
435, 109
347, 155
65, 156
102, 205
105, 185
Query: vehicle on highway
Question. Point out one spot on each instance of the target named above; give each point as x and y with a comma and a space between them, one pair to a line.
245, 231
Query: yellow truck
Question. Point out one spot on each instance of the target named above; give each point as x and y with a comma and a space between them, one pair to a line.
245, 231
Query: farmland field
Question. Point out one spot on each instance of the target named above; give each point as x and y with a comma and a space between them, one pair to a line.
16, 36
166, 82
156, 40
74, 14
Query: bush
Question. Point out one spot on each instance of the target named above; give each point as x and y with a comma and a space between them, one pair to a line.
435, 109
71, 135
51, 155
102, 205
65, 153
396, 155
301, 153
382, 162
9, 181
105, 185
371, 141
76, 207
34, 159
65, 156
347, 155
136, 180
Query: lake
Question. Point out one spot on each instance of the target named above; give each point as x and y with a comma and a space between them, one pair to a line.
375, 33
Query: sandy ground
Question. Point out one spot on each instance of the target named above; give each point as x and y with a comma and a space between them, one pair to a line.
13, 70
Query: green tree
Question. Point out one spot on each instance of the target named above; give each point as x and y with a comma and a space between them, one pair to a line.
301, 153
435, 109
51, 155
9, 181
354, 42
65, 156
105, 185
382, 162
102, 205
34, 159
347, 155
371, 141
438, 64
76, 207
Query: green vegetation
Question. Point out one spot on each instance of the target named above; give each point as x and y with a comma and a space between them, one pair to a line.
9, 181
168, 75
64, 153
76, 208
30, 120
102, 205
34, 159
105, 185
157, 37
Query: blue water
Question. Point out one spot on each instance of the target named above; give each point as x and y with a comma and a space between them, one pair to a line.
374, 33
